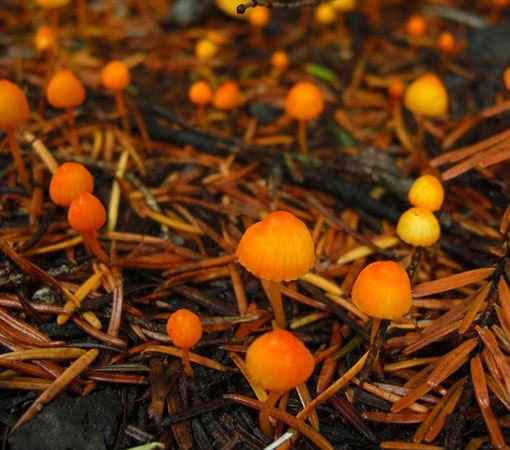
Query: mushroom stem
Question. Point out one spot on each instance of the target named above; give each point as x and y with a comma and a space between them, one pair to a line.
73, 132
18, 160
270, 402
201, 116
186, 363
301, 132
414, 265
121, 108
90, 241
275, 297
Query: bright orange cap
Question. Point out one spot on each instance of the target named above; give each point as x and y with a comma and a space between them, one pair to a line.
280, 59
344, 5
200, 93
506, 78
382, 290
324, 14
278, 248
184, 328
419, 227
426, 95
49, 4
278, 361
14, 108
416, 26
258, 17
304, 101
115, 76
426, 192
45, 39
86, 213
446, 42
205, 49
65, 90
68, 181
227, 96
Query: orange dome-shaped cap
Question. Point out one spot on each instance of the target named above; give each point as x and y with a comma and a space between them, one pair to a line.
426, 95
382, 290
278, 361
65, 90
304, 101
45, 39
14, 108
344, 5
49, 4
86, 213
416, 26
184, 328
200, 93
419, 227
259, 16
278, 248
115, 76
426, 192
68, 181
227, 96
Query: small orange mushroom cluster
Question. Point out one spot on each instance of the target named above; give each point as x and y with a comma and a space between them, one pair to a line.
418, 225
71, 185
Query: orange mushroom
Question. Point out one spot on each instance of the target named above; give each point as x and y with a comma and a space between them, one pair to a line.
419, 227
415, 27
14, 110
184, 329
258, 18
382, 290
278, 248
426, 192
426, 97
68, 181
65, 91
87, 215
227, 96
278, 362
279, 62
304, 102
45, 39
200, 94
115, 77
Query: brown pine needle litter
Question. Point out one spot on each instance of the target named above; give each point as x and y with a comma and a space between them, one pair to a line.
179, 196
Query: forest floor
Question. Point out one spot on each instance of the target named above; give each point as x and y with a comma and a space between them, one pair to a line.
86, 362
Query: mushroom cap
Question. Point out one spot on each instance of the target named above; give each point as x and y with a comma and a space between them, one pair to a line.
68, 181
115, 76
325, 13
416, 26
49, 4
45, 39
382, 290
205, 49
419, 227
229, 7
14, 108
506, 78
344, 5
86, 213
184, 328
200, 92
278, 248
259, 16
426, 192
65, 90
280, 59
446, 42
278, 361
426, 95
227, 96
304, 101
